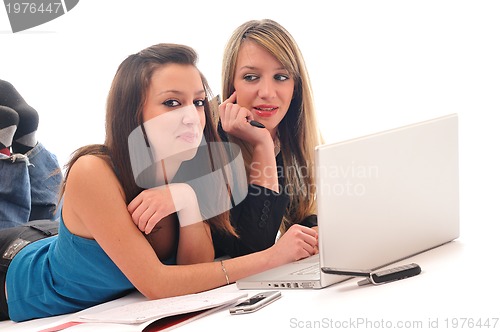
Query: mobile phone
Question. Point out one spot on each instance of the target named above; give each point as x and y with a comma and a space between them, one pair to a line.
381, 277
347, 272
255, 302
396, 273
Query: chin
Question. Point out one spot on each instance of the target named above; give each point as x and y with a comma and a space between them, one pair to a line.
187, 154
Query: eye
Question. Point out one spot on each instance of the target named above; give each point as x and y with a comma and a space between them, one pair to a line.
281, 77
199, 103
171, 103
250, 77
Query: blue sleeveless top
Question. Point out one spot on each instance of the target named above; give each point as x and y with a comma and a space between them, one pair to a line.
61, 274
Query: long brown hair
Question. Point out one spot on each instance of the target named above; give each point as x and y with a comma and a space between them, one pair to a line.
298, 132
124, 110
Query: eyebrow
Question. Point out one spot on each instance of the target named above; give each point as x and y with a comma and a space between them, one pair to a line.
199, 92
257, 68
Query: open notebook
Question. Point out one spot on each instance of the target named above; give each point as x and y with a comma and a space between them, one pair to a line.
134, 312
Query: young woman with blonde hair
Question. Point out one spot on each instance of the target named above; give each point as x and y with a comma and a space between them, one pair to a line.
264, 79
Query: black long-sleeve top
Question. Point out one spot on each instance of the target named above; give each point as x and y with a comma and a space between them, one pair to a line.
256, 219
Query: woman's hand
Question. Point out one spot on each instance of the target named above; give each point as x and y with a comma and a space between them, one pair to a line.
235, 121
152, 205
317, 244
298, 242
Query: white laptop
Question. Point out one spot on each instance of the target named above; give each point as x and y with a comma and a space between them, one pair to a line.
381, 198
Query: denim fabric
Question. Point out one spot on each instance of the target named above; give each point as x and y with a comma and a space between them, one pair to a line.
29, 186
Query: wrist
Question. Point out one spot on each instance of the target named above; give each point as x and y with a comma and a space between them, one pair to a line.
270, 258
186, 204
263, 146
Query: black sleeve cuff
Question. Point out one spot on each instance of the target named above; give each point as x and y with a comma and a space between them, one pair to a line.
310, 221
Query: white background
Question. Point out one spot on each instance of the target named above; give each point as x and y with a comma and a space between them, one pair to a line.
374, 65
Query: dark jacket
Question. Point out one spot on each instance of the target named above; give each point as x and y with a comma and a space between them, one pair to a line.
256, 219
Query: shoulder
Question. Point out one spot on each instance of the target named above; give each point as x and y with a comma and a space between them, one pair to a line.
89, 165
92, 194
91, 171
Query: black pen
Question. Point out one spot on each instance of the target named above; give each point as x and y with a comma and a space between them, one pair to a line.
256, 124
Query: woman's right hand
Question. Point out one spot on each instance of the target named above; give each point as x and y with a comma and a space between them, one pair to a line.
297, 243
235, 121
152, 205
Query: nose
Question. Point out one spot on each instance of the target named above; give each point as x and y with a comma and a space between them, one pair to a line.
190, 115
267, 88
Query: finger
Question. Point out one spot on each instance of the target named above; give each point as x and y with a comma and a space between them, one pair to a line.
222, 111
136, 215
308, 230
144, 218
304, 252
239, 117
151, 223
230, 116
139, 207
309, 250
134, 204
148, 227
244, 114
307, 244
231, 99
312, 241
225, 114
140, 223
230, 110
305, 230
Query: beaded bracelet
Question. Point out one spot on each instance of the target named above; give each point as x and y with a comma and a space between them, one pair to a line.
225, 272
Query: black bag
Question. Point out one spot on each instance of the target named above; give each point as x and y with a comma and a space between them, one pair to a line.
12, 240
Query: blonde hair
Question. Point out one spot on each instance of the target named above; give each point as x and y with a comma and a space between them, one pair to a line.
298, 131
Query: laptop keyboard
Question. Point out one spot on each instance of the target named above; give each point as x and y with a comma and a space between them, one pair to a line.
309, 270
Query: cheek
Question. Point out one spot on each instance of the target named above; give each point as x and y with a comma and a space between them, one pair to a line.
237, 85
243, 91
287, 92
203, 120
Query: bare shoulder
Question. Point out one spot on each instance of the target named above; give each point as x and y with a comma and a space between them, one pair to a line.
90, 164
92, 194
92, 175
90, 168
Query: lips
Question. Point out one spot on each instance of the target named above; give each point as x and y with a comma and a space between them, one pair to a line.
266, 110
189, 137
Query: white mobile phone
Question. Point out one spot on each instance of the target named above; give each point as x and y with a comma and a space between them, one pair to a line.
255, 302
